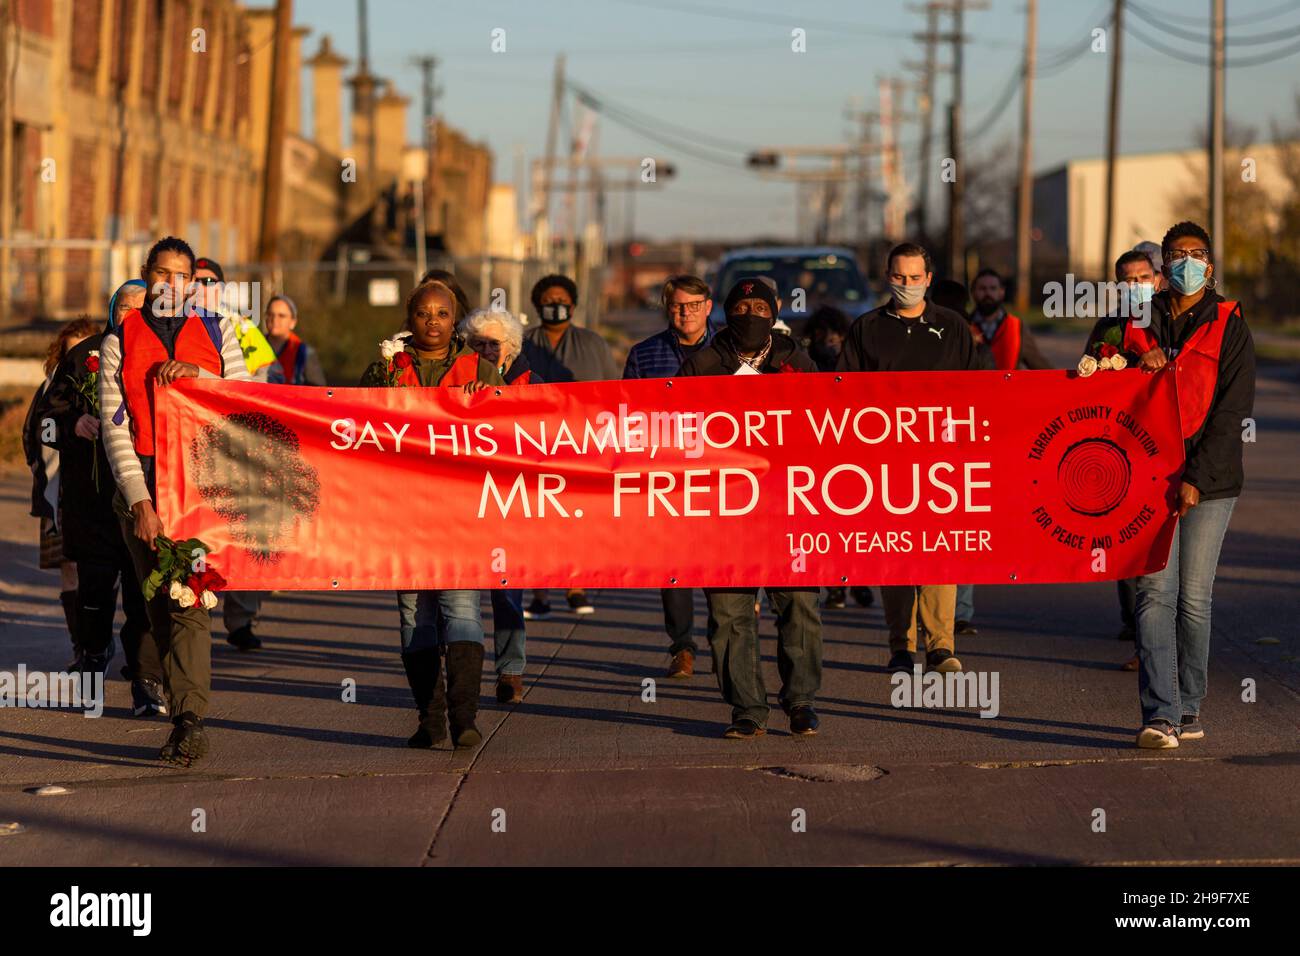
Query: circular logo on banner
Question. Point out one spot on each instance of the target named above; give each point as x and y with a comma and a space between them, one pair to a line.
1094, 476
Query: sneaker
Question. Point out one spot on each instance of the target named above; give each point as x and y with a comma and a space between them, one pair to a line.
579, 604
863, 596
803, 720
1130, 665
1158, 735
834, 598
188, 742
683, 665
901, 661
1191, 728
243, 639
510, 689
966, 628
744, 729
942, 661
147, 699
539, 610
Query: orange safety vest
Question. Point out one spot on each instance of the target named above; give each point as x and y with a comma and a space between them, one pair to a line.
463, 371
143, 352
1197, 365
289, 358
1006, 343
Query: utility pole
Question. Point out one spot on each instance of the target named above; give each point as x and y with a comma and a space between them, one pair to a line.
1025, 201
268, 252
542, 196
1112, 132
957, 202
927, 68
1216, 139
429, 97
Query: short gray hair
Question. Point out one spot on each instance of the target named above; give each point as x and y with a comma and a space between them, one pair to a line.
480, 319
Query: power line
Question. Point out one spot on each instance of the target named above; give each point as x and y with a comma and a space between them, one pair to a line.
1204, 59
1204, 38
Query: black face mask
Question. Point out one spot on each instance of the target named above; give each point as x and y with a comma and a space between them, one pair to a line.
823, 351
750, 332
987, 308
555, 314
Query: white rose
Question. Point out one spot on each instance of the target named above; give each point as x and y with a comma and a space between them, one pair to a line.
208, 600
1104, 365
175, 591
1118, 362
390, 347
1087, 365
186, 598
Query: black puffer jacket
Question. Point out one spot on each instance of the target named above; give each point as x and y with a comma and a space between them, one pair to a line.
719, 357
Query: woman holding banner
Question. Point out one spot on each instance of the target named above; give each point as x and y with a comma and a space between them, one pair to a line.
1206, 338
428, 353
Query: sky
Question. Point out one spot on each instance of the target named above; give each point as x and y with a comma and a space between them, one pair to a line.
711, 79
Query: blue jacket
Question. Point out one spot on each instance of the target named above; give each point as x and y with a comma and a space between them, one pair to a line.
659, 356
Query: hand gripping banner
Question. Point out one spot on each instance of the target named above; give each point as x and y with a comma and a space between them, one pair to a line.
790, 479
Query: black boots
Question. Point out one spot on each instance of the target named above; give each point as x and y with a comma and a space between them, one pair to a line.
422, 673
464, 674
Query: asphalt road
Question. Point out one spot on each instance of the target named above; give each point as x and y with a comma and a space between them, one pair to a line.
586, 770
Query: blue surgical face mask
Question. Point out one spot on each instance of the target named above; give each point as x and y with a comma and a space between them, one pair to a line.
1187, 275
1139, 294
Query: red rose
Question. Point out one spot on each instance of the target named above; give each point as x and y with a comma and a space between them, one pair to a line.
92, 363
1107, 350
194, 583
212, 580
402, 360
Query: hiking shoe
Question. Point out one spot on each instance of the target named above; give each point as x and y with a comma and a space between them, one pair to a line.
147, 699
1191, 728
834, 598
901, 661
510, 688
683, 665
803, 720
579, 604
1158, 735
942, 661
243, 638
863, 596
431, 732
188, 743
539, 610
744, 729
965, 627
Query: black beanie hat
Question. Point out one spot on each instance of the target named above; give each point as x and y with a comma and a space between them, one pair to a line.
754, 287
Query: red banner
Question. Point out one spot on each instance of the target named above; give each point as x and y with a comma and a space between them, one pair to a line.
794, 479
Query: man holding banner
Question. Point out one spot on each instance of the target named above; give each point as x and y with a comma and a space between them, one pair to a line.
909, 334
154, 346
750, 346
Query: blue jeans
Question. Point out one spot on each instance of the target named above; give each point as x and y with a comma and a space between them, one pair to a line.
508, 630
431, 619
1173, 616
965, 603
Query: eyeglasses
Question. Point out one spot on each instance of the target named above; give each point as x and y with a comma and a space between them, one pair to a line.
686, 308
1178, 255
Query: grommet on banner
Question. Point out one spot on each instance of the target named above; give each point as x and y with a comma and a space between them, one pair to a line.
329, 393
497, 392
334, 583
843, 579
1007, 376
839, 378
503, 580
668, 384
1013, 575
672, 580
